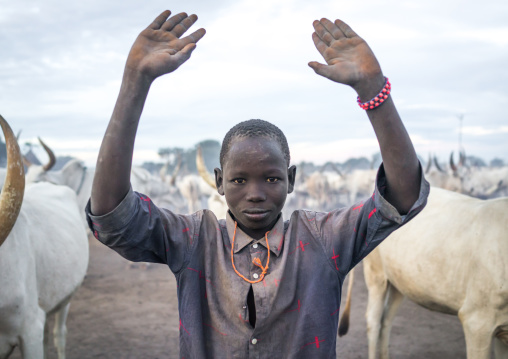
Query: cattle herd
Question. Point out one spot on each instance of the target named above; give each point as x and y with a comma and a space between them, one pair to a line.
451, 258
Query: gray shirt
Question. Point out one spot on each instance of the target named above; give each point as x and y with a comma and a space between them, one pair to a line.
297, 303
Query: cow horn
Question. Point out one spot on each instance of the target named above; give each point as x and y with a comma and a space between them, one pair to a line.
336, 169
462, 156
333, 166
176, 170
26, 161
203, 172
14, 185
163, 171
436, 163
429, 164
452, 164
52, 158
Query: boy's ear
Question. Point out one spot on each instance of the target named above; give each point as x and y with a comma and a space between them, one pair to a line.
291, 178
219, 180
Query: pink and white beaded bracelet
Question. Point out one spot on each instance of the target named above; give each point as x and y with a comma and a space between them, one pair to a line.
379, 99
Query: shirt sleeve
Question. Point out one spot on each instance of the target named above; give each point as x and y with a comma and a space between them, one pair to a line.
140, 231
350, 234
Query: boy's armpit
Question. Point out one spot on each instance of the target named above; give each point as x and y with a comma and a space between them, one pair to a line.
352, 233
141, 232
387, 210
114, 220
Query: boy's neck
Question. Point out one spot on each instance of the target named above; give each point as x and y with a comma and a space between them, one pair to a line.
255, 233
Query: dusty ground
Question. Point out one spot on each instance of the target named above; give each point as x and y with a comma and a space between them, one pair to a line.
125, 311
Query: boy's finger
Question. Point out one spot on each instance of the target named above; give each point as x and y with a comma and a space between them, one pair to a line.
173, 21
345, 28
320, 69
332, 29
184, 54
159, 20
320, 45
184, 25
192, 38
323, 34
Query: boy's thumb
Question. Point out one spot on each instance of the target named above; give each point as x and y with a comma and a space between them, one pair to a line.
319, 69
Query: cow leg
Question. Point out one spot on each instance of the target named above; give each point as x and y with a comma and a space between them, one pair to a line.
478, 334
46, 338
393, 300
32, 339
60, 330
377, 286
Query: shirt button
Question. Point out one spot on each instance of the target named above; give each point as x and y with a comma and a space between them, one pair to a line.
244, 307
255, 245
255, 275
254, 341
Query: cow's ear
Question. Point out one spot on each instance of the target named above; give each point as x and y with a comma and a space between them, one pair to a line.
219, 181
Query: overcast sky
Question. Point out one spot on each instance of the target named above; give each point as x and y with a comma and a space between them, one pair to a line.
62, 61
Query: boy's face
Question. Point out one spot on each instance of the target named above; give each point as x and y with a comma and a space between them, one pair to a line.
255, 181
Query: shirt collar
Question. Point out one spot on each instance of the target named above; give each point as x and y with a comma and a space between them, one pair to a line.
275, 236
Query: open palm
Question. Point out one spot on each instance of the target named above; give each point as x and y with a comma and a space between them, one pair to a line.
159, 50
349, 59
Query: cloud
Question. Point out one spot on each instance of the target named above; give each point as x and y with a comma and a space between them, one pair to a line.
482, 131
61, 74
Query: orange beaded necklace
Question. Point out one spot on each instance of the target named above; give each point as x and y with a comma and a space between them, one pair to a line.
256, 260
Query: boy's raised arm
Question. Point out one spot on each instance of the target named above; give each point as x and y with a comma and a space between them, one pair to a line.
158, 50
350, 61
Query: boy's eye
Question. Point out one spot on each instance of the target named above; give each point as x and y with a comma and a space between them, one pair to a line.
272, 179
239, 180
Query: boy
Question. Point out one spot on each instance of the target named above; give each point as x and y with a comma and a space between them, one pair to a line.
254, 285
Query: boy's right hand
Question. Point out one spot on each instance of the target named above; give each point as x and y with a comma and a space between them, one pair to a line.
158, 49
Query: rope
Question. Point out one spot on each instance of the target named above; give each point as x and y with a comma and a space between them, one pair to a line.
256, 261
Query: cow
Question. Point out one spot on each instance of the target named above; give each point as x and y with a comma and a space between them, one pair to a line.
451, 258
487, 182
43, 259
450, 177
75, 175
216, 203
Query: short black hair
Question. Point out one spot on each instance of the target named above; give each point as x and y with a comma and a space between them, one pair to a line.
255, 128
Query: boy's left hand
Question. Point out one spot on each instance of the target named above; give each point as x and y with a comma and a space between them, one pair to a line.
350, 60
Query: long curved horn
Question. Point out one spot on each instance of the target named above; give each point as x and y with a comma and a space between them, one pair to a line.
452, 164
26, 161
52, 158
203, 172
333, 166
429, 164
163, 171
336, 169
462, 156
14, 185
176, 170
436, 163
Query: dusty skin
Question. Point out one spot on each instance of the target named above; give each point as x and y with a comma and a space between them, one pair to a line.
124, 310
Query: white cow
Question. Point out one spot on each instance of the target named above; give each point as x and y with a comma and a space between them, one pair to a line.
487, 182
75, 175
216, 203
43, 260
451, 258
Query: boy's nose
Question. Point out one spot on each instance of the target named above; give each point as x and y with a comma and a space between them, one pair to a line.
255, 193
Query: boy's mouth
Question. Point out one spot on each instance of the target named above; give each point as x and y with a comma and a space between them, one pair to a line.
255, 214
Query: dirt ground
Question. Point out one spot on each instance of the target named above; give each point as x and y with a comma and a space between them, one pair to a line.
128, 311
